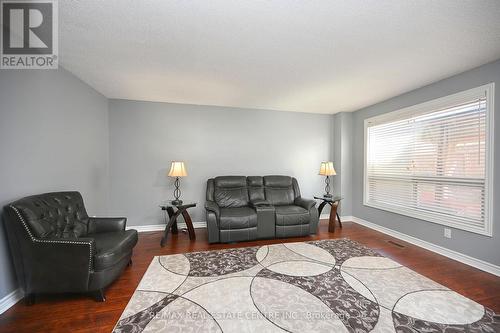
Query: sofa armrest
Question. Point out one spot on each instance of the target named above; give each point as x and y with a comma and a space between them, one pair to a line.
61, 265
211, 206
99, 225
305, 203
259, 203
213, 214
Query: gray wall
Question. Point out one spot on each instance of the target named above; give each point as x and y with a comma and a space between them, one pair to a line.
145, 137
53, 136
478, 246
336, 180
342, 160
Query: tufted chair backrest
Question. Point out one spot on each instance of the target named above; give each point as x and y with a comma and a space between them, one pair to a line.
54, 215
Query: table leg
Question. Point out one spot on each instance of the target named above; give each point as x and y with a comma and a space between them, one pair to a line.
173, 219
171, 213
338, 218
320, 208
189, 224
333, 217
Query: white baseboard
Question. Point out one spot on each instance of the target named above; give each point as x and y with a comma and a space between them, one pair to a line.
146, 228
463, 258
161, 227
203, 224
196, 225
11, 299
342, 218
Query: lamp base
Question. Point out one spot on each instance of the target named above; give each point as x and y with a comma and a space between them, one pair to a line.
327, 188
177, 193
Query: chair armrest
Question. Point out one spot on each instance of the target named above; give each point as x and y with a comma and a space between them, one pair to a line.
211, 206
259, 203
99, 225
62, 264
305, 203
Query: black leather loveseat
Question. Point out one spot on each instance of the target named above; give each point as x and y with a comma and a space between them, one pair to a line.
240, 208
56, 247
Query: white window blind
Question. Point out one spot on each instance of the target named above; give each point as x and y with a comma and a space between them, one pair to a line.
432, 161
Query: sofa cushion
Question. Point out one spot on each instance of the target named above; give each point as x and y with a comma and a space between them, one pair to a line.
111, 247
279, 190
237, 218
278, 181
231, 191
291, 215
230, 181
256, 188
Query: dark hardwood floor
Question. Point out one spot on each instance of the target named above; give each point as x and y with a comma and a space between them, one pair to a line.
80, 313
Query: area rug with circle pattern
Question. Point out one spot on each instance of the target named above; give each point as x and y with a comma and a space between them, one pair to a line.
318, 286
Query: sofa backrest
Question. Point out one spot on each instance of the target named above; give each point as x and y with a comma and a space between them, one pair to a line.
53, 215
280, 190
256, 188
230, 191
239, 191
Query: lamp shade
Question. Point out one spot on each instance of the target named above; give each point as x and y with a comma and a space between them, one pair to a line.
177, 169
327, 169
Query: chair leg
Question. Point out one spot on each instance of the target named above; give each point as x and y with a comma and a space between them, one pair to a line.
99, 295
29, 299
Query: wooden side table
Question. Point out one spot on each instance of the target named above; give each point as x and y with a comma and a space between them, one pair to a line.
334, 215
172, 212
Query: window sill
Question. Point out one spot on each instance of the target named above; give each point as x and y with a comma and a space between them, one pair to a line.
431, 217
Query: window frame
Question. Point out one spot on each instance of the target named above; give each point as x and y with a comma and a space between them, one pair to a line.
429, 107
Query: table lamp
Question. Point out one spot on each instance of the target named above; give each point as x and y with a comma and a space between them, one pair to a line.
327, 169
177, 170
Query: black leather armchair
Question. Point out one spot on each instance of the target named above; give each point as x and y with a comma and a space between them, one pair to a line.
56, 247
242, 208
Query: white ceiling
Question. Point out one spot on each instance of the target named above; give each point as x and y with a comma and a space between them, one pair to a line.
292, 55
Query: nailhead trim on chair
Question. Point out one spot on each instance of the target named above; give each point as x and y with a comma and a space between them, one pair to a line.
37, 240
